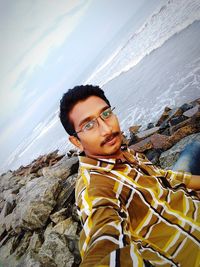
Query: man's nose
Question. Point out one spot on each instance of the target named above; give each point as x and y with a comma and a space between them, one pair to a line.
104, 128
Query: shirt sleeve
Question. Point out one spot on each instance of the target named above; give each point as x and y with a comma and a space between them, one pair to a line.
105, 239
175, 178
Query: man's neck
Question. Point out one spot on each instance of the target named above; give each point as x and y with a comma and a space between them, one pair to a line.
118, 155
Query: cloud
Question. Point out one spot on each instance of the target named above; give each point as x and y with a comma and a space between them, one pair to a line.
31, 31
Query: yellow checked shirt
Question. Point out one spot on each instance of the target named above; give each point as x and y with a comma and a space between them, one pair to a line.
135, 214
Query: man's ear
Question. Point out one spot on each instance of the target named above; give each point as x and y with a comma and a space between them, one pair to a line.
76, 142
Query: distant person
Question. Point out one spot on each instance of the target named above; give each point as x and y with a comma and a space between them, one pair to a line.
132, 212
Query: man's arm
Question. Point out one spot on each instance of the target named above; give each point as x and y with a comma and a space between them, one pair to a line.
174, 177
194, 182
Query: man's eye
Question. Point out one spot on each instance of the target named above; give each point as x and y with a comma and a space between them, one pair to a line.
88, 125
106, 113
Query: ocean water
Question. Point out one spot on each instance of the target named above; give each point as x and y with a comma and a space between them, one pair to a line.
156, 66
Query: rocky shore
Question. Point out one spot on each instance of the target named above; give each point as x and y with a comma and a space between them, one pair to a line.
39, 225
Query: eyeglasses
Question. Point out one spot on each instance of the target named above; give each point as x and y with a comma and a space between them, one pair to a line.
93, 124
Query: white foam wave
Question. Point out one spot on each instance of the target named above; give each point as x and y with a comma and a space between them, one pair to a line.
169, 20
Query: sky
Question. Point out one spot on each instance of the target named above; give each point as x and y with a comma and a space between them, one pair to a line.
45, 47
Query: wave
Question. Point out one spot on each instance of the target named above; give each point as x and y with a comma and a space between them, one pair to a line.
168, 20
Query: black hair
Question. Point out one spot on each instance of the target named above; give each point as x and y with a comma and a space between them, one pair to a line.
72, 97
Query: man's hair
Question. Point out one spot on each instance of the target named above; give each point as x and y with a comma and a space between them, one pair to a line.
72, 97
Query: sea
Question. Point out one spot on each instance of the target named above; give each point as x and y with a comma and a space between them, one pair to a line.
148, 68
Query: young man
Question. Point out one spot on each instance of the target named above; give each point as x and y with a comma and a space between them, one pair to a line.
133, 213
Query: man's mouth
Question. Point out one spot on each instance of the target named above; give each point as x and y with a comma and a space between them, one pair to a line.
109, 139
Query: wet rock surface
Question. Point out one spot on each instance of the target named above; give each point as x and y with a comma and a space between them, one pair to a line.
39, 224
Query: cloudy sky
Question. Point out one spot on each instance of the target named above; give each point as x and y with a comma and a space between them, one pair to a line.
45, 46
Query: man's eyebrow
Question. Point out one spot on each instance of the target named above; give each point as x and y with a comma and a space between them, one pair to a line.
92, 117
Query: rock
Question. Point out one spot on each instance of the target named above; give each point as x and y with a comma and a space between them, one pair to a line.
153, 155
23, 245
160, 141
134, 129
67, 227
174, 128
7, 260
74, 248
169, 157
186, 106
72, 153
48, 230
150, 125
54, 252
75, 216
142, 145
67, 192
146, 133
62, 169
164, 116
178, 119
191, 112
29, 260
167, 116
59, 216
7, 222
9, 181
36, 201
35, 242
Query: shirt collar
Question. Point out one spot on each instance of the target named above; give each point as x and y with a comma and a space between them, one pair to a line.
105, 164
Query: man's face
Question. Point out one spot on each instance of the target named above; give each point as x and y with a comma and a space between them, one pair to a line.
102, 141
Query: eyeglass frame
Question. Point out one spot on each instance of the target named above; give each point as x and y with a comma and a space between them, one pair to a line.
95, 119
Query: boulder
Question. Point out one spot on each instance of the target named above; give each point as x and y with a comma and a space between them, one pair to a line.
55, 252
63, 168
36, 201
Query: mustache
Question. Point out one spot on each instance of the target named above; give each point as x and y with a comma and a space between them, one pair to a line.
108, 138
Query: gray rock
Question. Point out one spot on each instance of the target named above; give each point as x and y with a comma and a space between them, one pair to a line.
35, 242
62, 169
169, 157
59, 216
9, 181
7, 260
67, 190
67, 227
29, 260
22, 246
54, 252
36, 201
